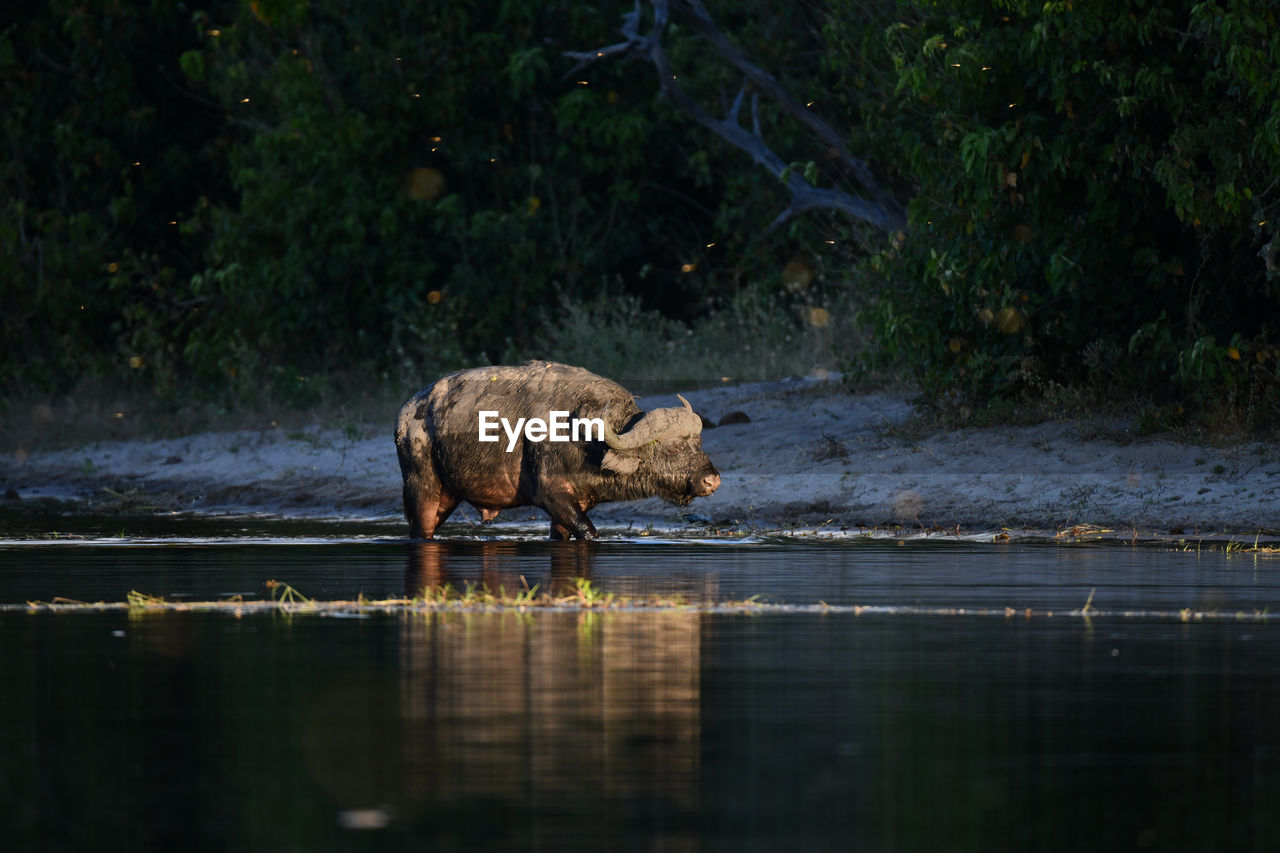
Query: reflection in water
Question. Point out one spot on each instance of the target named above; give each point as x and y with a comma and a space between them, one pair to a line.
506, 569
574, 724
636, 730
549, 715
433, 565
647, 729
877, 574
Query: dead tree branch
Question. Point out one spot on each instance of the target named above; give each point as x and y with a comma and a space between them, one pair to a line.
875, 205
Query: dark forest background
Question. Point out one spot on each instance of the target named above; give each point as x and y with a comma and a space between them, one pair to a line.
240, 203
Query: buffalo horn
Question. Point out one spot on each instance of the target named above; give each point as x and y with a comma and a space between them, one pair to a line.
655, 426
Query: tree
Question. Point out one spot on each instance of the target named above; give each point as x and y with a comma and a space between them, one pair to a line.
1093, 185
871, 202
110, 161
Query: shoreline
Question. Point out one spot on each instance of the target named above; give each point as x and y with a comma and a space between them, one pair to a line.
811, 457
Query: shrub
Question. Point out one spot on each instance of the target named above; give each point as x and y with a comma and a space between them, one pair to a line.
1088, 178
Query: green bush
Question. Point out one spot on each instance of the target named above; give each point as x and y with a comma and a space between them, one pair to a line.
421, 187
1089, 178
326, 187
759, 335
250, 200
108, 164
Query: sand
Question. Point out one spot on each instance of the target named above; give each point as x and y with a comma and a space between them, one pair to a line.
813, 460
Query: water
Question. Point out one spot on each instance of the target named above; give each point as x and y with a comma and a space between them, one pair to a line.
638, 729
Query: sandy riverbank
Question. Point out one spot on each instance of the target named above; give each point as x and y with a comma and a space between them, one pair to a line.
812, 457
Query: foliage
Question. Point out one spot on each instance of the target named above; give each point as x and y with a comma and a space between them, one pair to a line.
1094, 182
106, 156
392, 165
755, 336
335, 187
242, 200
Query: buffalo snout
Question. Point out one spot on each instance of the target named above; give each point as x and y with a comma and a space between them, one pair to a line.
706, 485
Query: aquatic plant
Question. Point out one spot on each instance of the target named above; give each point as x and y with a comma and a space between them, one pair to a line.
591, 595
283, 594
141, 601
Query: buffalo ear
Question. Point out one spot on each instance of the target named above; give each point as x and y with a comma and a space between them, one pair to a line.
619, 464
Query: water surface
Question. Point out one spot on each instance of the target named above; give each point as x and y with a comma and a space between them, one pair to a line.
638, 729
879, 572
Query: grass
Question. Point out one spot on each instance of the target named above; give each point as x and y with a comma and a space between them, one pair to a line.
285, 594
750, 336
1099, 410
1233, 548
582, 595
358, 404
141, 601
753, 338
1088, 609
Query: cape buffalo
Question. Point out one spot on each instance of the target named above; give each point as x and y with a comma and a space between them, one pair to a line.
541, 461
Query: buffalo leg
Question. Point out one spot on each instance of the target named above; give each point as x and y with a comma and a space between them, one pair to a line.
421, 518
568, 520
426, 505
445, 505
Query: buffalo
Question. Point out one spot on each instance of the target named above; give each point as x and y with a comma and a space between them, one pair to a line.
578, 440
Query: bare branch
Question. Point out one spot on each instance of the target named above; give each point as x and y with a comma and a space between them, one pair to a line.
630, 29
737, 102
697, 14
806, 197
880, 209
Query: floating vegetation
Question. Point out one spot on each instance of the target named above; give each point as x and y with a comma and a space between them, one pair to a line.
282, 593
141, 601
583, 595
1232, 548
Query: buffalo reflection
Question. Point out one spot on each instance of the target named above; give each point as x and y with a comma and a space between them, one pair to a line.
564, 727
499, 567
541, 730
